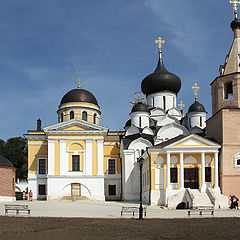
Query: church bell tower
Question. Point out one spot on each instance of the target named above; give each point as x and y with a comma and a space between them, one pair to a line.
224, 124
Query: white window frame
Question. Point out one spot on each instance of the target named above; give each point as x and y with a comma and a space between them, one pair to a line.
115, 166
236, 158
42, 174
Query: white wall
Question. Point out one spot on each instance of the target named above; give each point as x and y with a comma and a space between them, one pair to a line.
91, 187
170, 100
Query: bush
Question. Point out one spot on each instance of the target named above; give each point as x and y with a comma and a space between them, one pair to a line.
18, 195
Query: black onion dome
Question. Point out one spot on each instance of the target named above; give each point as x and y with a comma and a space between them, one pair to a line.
5, 162
140, 107
161, 80
196, 107
235, 24
79, 95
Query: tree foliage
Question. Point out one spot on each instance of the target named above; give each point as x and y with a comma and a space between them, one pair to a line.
15, 150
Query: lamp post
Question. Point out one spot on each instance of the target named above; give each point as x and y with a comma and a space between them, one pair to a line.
140, 161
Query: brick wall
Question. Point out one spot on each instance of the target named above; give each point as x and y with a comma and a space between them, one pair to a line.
7, 181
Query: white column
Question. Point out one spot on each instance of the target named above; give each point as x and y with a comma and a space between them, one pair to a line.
63, 157
203, 182
181, 172
88, 160
157, 177
51, 156
168, 171
216, 171
100, 157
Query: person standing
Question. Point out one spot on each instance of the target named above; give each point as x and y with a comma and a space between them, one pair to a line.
30, 195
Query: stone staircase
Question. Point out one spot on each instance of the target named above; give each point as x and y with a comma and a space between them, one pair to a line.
200, 199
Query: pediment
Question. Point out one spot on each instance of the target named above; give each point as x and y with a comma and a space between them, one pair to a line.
194, 141
75, 125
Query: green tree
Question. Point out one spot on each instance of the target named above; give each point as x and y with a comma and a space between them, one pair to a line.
2, 143
15, 150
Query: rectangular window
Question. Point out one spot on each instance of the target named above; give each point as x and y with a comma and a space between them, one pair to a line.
112, 190
174, 175
75, 163
208, 174
41, 166
111, 166
41, 189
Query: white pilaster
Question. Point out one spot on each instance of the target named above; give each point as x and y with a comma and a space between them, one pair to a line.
168, 171
63, 158
100, 157
181, 172
88, 165
157, 177
203, 182
216, 171
51, 156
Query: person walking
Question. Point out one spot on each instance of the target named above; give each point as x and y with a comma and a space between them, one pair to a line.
30, 195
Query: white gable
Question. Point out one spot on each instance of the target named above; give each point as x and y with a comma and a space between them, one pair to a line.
192, 142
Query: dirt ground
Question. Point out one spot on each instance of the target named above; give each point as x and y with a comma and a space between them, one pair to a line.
92, 228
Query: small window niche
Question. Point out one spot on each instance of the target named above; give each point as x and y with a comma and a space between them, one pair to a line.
229, 91
84, 116
237, 160
72, 115
95, 118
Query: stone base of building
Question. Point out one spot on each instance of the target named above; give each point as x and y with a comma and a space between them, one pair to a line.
229, 184
7, 199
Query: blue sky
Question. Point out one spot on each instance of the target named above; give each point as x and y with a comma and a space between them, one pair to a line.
47, 45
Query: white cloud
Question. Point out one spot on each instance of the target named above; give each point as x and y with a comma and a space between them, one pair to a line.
189, 33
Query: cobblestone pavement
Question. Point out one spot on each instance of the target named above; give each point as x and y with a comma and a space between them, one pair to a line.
97, 209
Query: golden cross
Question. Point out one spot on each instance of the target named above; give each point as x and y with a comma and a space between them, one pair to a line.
181, 105
139, 97
79, 83
235, 6
160, 42
196, 89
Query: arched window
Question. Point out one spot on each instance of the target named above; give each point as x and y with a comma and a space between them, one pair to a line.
61, 120
95, 118
72, 115
84, 116
229, 91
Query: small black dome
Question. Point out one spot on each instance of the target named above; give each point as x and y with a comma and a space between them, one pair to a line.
79, 95
128, 123
235, 24
196, 107
140, 107
161, 80
5, 162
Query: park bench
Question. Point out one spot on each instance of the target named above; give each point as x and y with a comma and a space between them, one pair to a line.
132, 210
16, 208
202, 210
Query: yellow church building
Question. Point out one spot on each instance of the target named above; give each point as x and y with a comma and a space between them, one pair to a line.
76, 157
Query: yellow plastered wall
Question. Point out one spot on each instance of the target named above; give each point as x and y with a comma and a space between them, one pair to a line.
35, 152
94, 158
153, 187
111, 151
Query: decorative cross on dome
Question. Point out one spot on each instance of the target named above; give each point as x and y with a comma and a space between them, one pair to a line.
181, 105
138, 98
196, 89
79, 81
235, 6
159, 43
